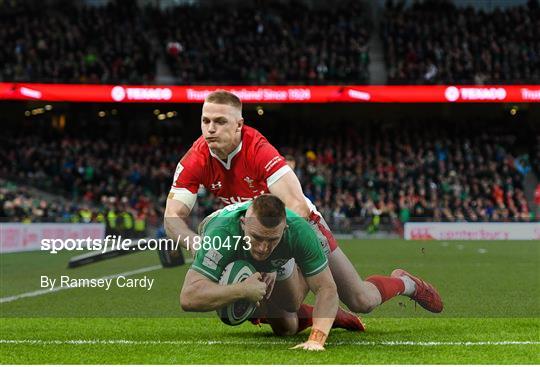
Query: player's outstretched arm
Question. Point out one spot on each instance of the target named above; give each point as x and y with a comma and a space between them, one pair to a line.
175, 225
289, 190
201, 294
324, 312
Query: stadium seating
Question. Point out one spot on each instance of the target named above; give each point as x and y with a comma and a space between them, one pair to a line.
25, 204
76, 44
261, 42
92, 173
119, 43
267, 43
436, 42
420, 173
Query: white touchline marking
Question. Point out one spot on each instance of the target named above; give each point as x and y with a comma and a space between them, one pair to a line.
254, 342
41, 292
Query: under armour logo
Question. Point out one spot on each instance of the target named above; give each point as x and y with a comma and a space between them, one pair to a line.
249, 181
216, 186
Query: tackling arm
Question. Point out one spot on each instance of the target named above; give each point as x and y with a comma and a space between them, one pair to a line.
202, 294
174, 222
289, 190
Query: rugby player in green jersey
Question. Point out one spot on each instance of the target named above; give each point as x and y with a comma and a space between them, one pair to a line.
266, 235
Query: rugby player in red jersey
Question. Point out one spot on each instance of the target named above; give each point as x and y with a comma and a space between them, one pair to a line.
236, 163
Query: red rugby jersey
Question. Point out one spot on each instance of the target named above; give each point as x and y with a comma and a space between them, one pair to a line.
247, 173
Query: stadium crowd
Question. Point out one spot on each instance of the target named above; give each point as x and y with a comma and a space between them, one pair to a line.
267, 43
435, 41
431, 41
76, 43
110, 177
24, 204
416, 173
259, 42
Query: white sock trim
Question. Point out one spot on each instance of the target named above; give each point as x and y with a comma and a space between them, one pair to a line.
410, 286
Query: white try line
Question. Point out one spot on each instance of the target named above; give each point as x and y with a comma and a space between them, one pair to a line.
260, 342
41, 292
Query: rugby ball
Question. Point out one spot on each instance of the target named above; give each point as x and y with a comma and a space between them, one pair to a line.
239, 311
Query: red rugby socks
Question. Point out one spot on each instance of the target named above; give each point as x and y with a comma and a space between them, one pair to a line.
388, 287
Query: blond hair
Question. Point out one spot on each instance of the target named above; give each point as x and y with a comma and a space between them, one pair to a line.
222, 96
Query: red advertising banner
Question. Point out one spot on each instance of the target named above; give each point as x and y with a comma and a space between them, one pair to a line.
271, 94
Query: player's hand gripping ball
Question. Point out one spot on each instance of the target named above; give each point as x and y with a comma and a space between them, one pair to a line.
239, 311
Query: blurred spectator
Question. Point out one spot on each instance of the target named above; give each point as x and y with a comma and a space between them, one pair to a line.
537, 200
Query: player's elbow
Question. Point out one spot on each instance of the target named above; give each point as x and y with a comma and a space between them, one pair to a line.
175, 210
185, 303
300, 207
170, 210
189, 300
188, 304
173, 222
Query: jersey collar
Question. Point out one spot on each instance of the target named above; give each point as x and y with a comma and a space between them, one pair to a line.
230, 157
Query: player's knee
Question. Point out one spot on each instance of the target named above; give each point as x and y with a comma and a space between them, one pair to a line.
284, 332
296, 302
292, 308
289, 305
284, 329
359, 307
361, 304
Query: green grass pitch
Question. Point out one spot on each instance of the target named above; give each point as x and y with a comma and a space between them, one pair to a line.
491, 292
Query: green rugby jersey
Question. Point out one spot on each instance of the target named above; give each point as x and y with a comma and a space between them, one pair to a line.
299, 241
